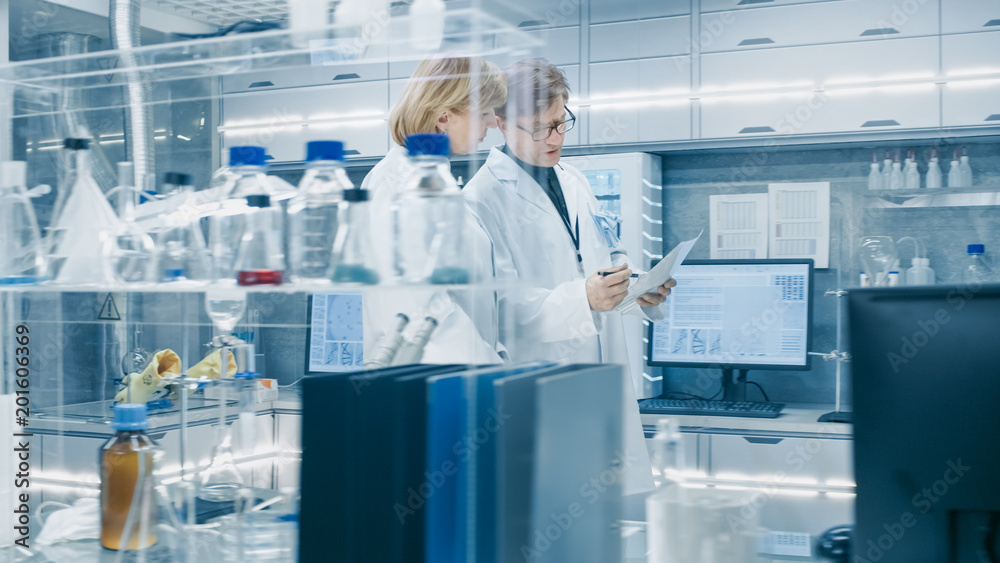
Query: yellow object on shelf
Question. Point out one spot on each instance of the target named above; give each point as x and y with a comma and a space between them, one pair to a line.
210, 366
139, 387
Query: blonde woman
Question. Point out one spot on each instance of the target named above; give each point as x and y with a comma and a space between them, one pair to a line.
453, 95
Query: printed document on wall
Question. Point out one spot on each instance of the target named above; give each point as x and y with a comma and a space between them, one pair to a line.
738, 226
800, 221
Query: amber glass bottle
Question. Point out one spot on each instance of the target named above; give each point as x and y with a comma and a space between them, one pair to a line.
119, 460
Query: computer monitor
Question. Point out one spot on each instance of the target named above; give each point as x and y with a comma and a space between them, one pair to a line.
736, 315
925, 371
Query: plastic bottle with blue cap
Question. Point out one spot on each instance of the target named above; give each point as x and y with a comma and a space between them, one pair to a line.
127, 463
977, 271
313, 212
428, 217
179, 241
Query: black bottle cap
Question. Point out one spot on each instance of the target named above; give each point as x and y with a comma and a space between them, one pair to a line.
259, 201
177, 178
355, 195
76, 144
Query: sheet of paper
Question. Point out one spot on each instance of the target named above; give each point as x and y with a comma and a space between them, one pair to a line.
799, 221
738, 226
663, 271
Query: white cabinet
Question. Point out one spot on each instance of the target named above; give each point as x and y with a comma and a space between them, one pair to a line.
726, 5
970, 102
560, 45
272, 79
640, 39
959, 16
354, 113
781, 460
842, 20
833, 107
649, 119
603, 11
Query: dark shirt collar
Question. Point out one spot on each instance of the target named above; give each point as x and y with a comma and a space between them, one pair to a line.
539, 173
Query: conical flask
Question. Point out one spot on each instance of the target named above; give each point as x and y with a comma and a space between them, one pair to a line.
221, 480
180, 245
22, 258
77, 233
129, 251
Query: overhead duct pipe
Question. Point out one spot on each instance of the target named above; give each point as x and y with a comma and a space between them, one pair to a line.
123, 16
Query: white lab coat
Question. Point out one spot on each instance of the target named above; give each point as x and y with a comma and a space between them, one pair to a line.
552, 319
467, 320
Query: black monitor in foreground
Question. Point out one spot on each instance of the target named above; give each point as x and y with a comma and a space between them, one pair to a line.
736, 315
925, 365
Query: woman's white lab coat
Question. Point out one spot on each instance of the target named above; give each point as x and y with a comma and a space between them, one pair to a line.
552, 318
467, 320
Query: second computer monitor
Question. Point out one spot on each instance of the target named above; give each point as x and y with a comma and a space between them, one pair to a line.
736, 314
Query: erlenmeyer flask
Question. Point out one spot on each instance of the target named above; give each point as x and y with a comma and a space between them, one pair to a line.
77, 234
181, 247
129, 251
878, 254
22, 259
221, 481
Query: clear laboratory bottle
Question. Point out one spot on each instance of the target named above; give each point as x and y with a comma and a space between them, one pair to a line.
260, 259
933, 179
179, 240
666, 510
313, 211
353, 254
955, 174
965, 170
77, 231
896, 179
22, 254
887, 171
976, 271
127, 463
427, 25
920, 273
874, 176
428, 217
911, 175
245, 176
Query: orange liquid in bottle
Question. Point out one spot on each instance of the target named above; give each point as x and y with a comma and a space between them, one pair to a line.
119, 472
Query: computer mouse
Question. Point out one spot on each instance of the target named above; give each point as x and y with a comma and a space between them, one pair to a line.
835, 544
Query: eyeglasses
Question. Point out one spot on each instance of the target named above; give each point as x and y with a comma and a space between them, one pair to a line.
543, 133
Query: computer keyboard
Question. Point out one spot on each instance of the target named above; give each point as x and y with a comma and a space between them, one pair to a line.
717, 408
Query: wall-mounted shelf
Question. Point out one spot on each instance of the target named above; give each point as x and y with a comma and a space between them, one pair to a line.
983, 196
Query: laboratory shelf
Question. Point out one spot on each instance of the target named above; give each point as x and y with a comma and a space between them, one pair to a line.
89, 80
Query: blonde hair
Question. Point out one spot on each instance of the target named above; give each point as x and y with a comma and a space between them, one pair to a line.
533, 86
445, 82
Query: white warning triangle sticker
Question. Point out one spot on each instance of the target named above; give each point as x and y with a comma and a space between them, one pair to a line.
109, 311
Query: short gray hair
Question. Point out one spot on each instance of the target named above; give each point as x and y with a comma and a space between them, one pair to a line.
533, 86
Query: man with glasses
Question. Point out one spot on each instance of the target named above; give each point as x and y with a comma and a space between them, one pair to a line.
540, 217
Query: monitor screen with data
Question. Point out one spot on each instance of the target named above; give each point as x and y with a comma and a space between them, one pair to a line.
736, 314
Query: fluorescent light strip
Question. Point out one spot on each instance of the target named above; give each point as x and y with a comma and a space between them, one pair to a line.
366, 117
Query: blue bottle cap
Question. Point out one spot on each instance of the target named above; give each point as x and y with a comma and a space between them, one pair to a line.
258, 201
976, 249
324, 150
246, 156
130, 416
430, 144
